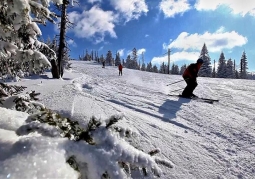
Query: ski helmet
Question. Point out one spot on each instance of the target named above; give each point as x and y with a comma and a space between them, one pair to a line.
200, 60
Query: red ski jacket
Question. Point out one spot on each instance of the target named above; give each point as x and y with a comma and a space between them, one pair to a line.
191, 71
120, 67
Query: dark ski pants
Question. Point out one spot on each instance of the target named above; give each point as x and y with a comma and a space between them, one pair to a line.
191, 85
120, 72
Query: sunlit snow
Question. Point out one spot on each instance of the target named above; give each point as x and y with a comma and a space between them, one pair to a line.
201, 140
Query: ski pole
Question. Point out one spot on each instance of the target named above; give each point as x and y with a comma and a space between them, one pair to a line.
175, 90
174, 82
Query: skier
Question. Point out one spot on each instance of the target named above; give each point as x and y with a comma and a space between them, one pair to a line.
120, 69
103, 64
190, 77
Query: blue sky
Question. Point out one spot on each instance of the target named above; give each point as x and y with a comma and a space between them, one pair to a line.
153, 26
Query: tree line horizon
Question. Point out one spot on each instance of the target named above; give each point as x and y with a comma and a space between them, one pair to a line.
227, 68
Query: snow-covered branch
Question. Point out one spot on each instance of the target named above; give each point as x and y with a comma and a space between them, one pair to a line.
19, 32
92, 149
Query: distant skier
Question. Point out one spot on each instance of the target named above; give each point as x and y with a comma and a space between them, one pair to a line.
103, 64
120, 69
190, 77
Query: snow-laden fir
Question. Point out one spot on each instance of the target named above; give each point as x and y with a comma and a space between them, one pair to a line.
196, 139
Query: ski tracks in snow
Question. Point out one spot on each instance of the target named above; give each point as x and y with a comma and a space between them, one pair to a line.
222, 132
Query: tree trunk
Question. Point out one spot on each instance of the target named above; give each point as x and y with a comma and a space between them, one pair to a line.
54, 69
62, 38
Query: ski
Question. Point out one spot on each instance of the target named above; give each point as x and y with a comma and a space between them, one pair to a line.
214, 100
207, 100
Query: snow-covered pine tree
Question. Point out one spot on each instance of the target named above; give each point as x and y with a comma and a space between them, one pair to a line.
53, 44
87, 56
143, 68
175, 69
108, 59
149, 67
155, 68
113, 61
163, 68
243, 66
97, 57
230, 69
63, 45
221, 71
128, 62
92, 55
134, 59
214, 70
117, 59
206, 69
101, 59
19, 32
123, 63
235, 70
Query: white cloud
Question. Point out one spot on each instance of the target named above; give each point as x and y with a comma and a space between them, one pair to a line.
130, 9
172, 7
141, 51
72, 43
121, 52
190, 45
215, 42
93, 24
138, 51
175, 57
146, 35
242, 7
221, 29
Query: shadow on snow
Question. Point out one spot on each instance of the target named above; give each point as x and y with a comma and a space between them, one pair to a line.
168, 109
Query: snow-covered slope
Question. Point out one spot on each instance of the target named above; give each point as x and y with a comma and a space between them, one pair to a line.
202, 140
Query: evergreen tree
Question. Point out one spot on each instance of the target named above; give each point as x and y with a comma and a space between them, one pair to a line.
206, 69
149, 67
129, 63
19, 31
63, 46
237, 75
243, 66
134, 63
175, 69
139, 65
235, 71
155, 69
123, 63
101, 59
230, 69
92, 55
143, 67
53, 44
87, 56
221, 72
163, 68
117, 59
214, 70
108, 59
183, 68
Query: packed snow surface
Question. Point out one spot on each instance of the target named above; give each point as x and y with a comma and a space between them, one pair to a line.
202, 140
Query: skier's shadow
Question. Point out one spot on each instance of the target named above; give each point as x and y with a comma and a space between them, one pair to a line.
170, 108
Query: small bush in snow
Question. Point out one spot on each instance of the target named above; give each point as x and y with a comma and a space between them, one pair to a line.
98, 150
11, 98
